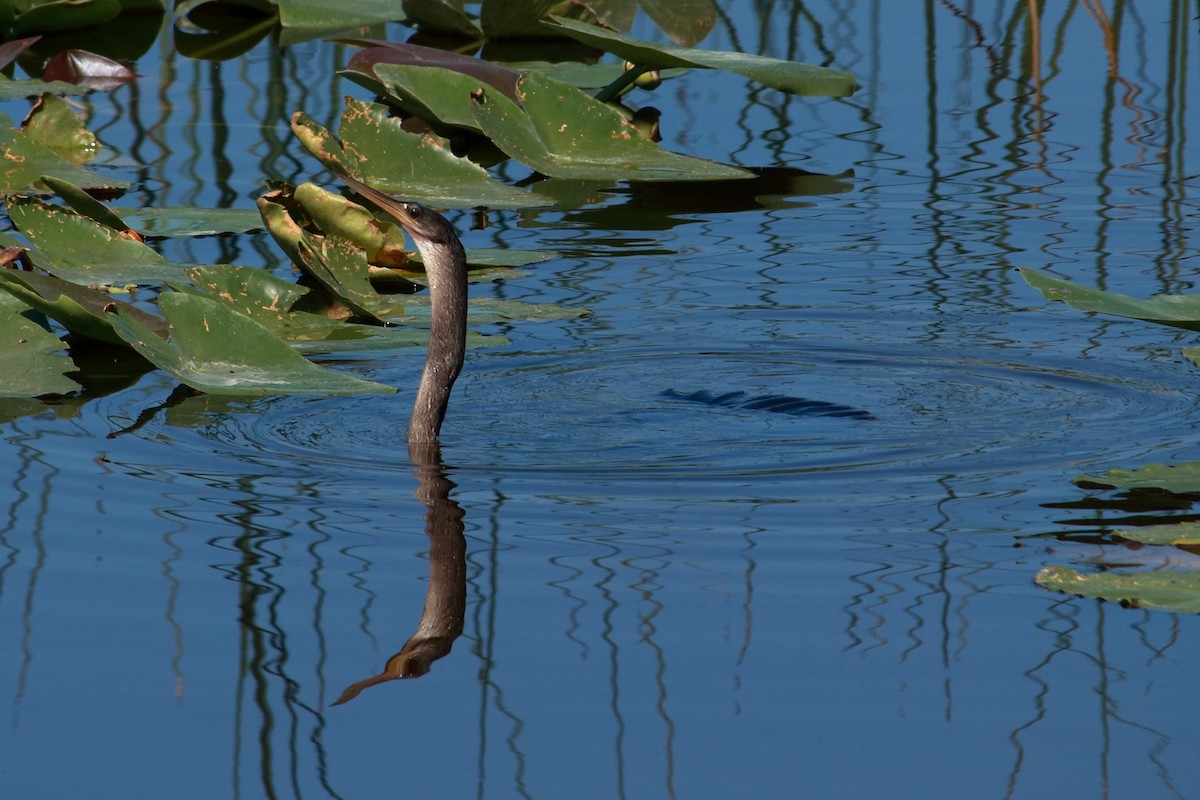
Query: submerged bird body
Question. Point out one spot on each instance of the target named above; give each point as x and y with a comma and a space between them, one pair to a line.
446, 268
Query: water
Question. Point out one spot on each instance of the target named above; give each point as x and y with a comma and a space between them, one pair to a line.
660, 598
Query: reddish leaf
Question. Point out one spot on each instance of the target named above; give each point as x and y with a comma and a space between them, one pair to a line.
87, 69
10, 50
499, 77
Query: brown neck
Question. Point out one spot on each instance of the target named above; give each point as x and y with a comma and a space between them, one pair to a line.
445, 266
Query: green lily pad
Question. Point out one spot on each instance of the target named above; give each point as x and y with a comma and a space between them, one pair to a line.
1171, 591
1177, 534
11, 89
83, 203
77, 248
1178, 311
363, 65
178, 221
31, 363
685, 21
440, 97
341, 267
1181, 478
56, 125
219, 351
64, 15
302, 20
787, 76
81, 310
439, 16
563, 132
49, 144
584, 76
376, 150
522, 19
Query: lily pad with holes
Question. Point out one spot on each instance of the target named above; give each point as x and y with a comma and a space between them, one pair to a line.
375, 149
562, 132
53, 141
77, 248
216, 350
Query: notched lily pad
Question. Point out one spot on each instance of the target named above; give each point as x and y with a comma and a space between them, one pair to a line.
562, 132
77, 248
375, 149
31, 361
219, 351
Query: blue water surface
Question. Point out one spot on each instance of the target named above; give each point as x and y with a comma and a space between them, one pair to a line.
663, 598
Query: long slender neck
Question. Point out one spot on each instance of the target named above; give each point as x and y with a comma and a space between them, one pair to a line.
445, 266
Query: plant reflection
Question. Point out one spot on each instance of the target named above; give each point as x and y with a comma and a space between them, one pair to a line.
446, 599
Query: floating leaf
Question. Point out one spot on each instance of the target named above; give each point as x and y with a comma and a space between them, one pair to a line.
1181, 478
83, 203
685, 21
52, 142
1179, 311
787, 76
562, 132
376, 150
1171, 591
191, 220
81, 310
302, 20
522, 19
64, 15
77, 248
217, 350
1176, 534
94, 71
363, 65
341, 268
439, 16
30, 364
55, 124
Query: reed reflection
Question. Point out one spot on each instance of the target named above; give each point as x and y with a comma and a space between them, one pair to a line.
446, 599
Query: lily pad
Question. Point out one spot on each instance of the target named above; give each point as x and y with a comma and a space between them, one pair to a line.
563, 132
178, 221
341, 267
1171, 591
31, 363
219, 351
1183, 478
81, 310
376, 150
84, 203
52, 142
522, 19
1178, 534
787, 76
439, 16
363, 65
55, 124
1178, 311
77, 248
302, 20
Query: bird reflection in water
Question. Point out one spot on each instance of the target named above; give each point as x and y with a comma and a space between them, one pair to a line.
446, 599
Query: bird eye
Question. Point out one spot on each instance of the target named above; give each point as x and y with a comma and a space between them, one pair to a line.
413, 210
